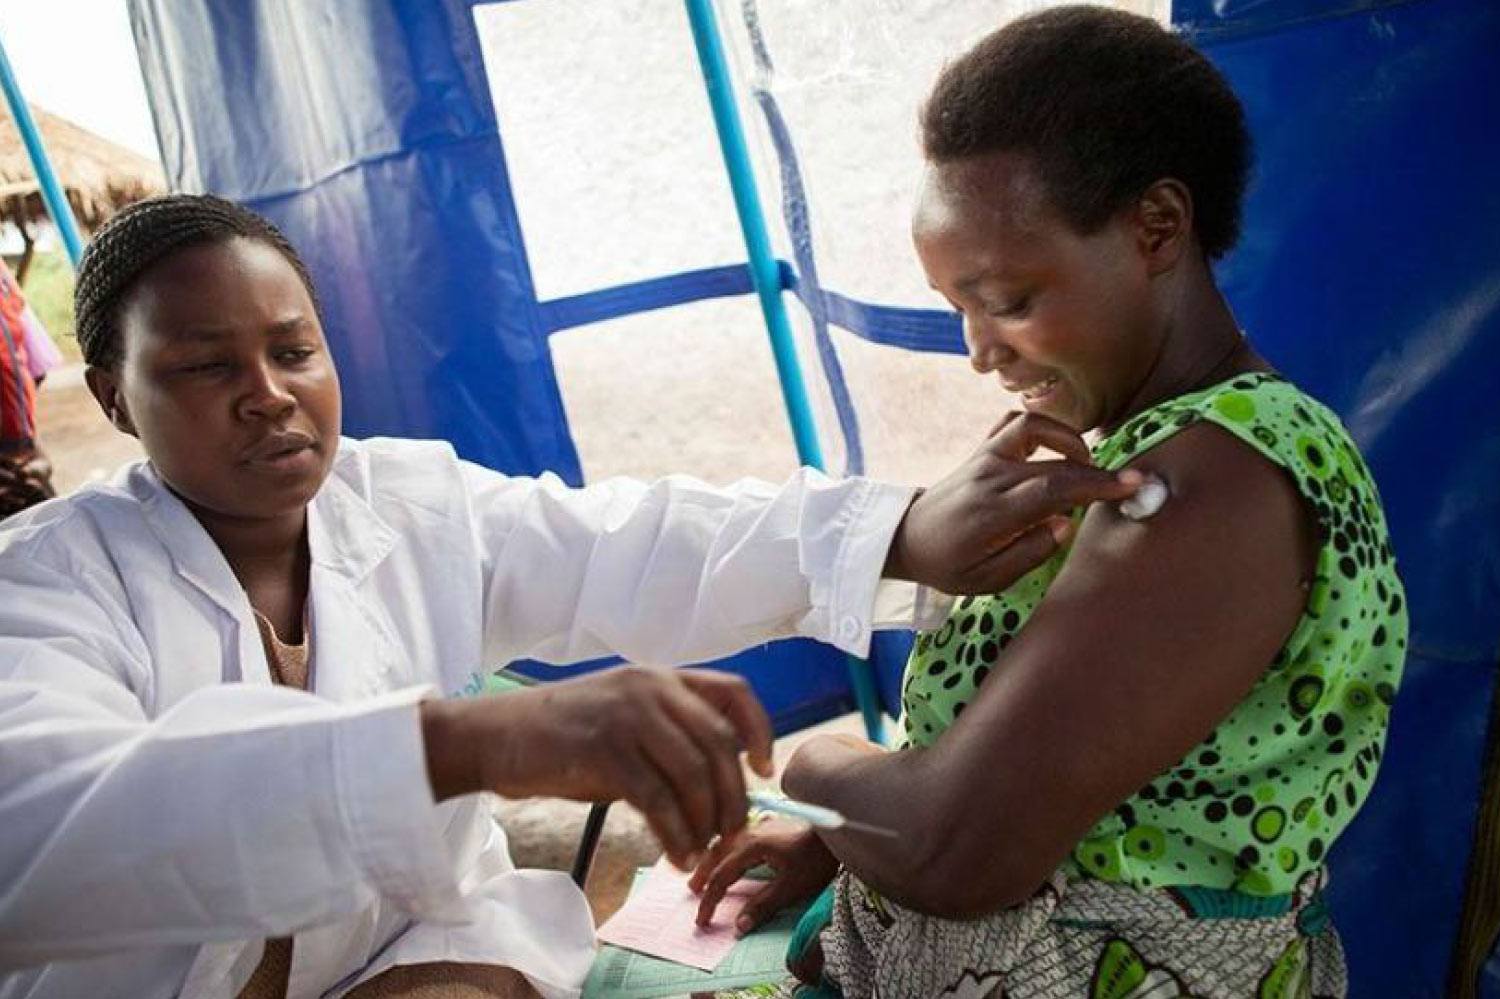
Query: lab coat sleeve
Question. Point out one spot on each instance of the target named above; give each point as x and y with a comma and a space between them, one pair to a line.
677, 571
241, 812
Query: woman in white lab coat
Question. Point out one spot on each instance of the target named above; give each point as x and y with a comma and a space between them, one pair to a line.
227, 764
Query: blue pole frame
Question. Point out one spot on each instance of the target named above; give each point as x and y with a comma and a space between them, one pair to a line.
52, 192
764, 271
766, 277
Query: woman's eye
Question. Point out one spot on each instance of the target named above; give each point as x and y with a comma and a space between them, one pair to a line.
1010, 310
203, 368
295, 355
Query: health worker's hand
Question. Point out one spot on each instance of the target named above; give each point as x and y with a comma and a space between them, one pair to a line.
999, 515
666, 741
802, 864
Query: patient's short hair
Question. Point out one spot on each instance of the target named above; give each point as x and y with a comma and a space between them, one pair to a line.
1104, 103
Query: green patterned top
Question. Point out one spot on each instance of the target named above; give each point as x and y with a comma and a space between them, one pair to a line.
1256, 805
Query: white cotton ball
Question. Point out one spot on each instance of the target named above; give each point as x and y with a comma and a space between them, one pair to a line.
1148, 499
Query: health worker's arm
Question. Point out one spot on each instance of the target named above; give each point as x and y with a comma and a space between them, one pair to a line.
678, 571
242, 812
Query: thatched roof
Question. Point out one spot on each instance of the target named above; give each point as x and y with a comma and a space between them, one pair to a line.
98, 176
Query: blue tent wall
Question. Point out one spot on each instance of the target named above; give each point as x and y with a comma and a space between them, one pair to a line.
365, 131
1369, 271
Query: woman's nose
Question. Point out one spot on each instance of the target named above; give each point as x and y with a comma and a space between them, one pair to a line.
265, 396
987, 351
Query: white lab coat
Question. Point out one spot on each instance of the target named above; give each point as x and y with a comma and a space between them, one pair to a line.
164, 807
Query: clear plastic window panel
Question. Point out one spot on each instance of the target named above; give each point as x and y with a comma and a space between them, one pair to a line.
609, 141
688, 390
848, 78
618, 178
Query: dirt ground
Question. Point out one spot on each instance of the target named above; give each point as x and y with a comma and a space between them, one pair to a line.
82, 444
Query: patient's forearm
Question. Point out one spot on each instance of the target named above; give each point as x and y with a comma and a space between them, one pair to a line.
945, 859
869, 784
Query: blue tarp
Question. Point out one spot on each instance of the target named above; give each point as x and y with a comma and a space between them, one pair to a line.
365, 131
1369, 271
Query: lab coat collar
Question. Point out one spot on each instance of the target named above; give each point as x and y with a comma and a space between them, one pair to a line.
194, 555
345, 535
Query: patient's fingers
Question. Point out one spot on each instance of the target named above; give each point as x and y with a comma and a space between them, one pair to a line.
746, 854
1010, 563
1018, 438
711, 859
762, 905
1049, 488
1004, 422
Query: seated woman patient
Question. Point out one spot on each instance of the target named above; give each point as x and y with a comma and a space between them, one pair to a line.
221, 772
1169, 723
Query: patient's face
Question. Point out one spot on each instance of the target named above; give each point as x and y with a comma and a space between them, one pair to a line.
226, 379
1062, 318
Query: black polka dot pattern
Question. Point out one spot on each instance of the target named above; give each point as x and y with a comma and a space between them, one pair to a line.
1257, 804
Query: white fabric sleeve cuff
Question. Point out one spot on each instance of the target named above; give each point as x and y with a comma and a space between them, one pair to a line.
387, 807
854, 609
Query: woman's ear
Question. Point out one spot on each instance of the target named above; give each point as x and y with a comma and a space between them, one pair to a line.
106, 389
1164, 224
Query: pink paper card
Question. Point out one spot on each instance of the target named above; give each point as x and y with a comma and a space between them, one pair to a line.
659, 920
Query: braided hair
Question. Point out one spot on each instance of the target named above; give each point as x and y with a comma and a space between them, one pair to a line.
127, 246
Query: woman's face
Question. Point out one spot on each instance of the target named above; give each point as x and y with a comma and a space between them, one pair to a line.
226, 380
1066, 321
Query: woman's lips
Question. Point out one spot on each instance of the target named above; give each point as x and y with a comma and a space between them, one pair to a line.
278, 446
1032, 392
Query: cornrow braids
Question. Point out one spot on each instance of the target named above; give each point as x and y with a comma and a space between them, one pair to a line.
127, 246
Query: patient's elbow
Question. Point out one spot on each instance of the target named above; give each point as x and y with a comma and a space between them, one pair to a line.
971, 882
978, 893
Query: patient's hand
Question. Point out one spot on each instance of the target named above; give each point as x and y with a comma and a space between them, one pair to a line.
802, 864
999, 515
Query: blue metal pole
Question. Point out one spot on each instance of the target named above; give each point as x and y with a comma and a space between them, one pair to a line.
52, 192
765, 274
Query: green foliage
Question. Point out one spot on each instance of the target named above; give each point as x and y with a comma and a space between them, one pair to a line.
49, 289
